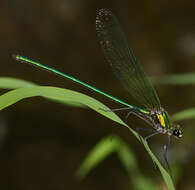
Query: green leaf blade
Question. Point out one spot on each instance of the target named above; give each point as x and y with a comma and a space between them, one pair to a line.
66, 96
185, 114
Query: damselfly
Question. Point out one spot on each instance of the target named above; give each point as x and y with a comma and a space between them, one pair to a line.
127, 69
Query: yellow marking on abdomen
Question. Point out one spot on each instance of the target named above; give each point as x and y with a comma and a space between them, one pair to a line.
161, 119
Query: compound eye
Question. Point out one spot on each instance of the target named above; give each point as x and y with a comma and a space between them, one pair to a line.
177, 133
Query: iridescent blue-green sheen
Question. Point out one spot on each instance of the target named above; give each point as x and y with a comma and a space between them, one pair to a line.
23, 59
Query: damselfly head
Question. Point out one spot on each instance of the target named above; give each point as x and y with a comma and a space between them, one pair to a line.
177, 132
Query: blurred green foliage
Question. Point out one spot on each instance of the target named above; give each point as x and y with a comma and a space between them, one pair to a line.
104, 148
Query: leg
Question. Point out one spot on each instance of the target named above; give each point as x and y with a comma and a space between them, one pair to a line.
154, 132
147, 137
165, 154
118, 109
131, 112
139, 116
144, 129
151, 135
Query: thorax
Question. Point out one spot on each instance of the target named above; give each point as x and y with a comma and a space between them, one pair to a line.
160, 120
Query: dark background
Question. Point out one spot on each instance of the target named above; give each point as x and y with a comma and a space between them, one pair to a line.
43, 143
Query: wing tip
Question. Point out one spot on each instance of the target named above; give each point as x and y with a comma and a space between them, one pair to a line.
103, 12
103, 17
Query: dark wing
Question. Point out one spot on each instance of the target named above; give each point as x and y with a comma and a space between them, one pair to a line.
122, 60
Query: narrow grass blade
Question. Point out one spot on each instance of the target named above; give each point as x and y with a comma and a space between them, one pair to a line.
176, 79
128, 159
105, 148
99, 152
185, 114
13, 83
66, 96
60, 94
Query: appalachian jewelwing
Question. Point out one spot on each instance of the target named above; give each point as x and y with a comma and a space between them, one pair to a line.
127, 69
